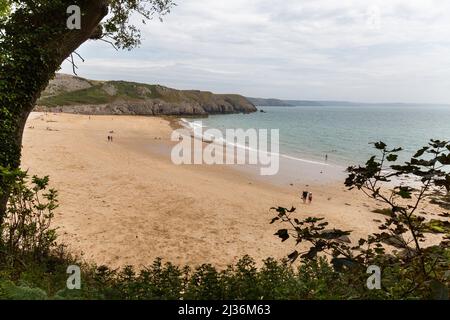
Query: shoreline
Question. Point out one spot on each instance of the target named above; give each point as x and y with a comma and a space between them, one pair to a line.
126, 203
291, 169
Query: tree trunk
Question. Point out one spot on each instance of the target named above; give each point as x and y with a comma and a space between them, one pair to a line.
14, 139
35, 45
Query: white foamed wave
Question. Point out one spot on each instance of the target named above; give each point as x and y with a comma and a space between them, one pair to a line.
304, 160
191, 126
221, 141
187, 124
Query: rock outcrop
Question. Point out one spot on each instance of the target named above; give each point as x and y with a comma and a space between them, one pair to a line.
77, 95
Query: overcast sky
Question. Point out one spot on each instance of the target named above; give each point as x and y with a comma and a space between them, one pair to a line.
357, 50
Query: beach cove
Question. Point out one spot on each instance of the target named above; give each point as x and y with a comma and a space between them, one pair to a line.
125, 203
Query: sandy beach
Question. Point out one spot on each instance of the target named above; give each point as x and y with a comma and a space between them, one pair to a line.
126, 203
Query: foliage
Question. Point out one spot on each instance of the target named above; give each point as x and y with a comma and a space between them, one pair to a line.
29, 255
26, 227
274, 280
4, 8
118, 27
10, 291
409, 268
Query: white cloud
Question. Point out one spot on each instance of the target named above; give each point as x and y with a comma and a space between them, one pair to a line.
391, 50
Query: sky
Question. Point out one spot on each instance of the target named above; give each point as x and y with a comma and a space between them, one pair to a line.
352, 50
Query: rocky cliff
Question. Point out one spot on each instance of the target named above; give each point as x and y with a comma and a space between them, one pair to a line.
77, 95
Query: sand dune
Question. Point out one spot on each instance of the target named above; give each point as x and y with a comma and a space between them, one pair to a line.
126, 203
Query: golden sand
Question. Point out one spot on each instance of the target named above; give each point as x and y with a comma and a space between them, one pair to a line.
125, 203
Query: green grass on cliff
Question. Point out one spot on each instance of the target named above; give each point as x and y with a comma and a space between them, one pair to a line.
97, 94
110, 91
93, 95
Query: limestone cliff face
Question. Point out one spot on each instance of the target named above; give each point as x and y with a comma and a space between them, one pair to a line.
77, 95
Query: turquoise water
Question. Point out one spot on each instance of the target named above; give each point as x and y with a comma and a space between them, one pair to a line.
344, 133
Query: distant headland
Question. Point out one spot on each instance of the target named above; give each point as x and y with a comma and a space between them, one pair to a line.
71, 94
272, 102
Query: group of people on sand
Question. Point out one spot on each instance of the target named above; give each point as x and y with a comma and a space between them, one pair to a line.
307, 196
110, 138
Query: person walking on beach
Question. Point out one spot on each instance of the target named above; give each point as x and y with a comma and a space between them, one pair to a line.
326, 157
310, 198
304, 196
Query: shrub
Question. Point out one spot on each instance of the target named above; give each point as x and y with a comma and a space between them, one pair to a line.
26, 226
410, 270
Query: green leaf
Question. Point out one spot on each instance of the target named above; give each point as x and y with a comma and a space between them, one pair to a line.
392, 158
380, 145
420, 152
283, 234
404, 192
334, 234
311, 254
274, 220
293, 256
443, 182
444, 159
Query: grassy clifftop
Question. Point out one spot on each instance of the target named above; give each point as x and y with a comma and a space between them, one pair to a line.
77, 95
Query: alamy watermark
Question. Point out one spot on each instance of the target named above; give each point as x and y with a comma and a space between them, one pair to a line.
74, 20
236, 146
74, 279
374, 281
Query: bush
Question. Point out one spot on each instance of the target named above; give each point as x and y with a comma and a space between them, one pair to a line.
410, 270
26, 226
273, 281
10, 291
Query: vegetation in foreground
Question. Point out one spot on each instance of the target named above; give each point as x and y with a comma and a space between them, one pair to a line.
34, 266
409, 268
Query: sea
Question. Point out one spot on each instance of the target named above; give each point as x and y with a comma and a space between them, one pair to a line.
344, 133
341, 136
